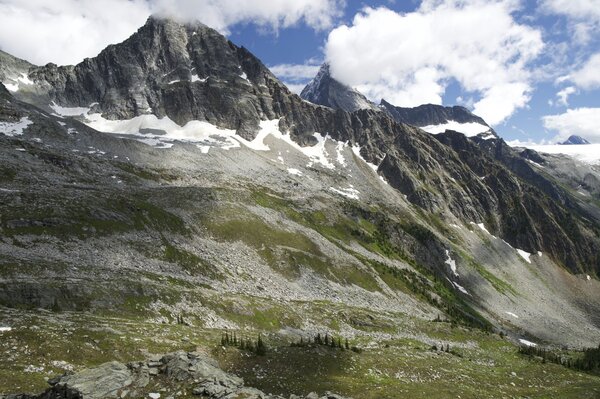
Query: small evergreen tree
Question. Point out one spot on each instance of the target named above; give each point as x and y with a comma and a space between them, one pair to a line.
261, 349
347, 344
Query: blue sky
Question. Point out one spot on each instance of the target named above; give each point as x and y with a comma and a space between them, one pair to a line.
531, 68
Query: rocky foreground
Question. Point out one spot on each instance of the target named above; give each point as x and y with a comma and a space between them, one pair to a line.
172, 375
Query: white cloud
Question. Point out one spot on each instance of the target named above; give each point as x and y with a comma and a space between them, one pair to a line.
588, 77
409, 59
563, 96
295, 72
275, 14
66, 31
583, 15
580, 121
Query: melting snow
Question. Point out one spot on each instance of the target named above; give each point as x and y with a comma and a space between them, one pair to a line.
469, 129
340, 156
524, 255
356, 151
528, 343
482, 227
461, 288
512, 314
5, 329
293, 171
69, 111
588, 153
15, 128
11, 87
451, 262
458, 287
350, 192
196, 78
24, 79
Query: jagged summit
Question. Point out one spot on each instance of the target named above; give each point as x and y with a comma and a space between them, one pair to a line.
438, 119
575, 140
431, 114
327, 91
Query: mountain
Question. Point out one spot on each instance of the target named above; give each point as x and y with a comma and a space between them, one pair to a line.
327, 91
171, 190
574, 139
437, 119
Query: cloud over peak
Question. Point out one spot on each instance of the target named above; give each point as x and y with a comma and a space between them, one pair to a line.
67, 31
410, 58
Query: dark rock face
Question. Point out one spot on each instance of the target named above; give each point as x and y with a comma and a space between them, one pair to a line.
574, 140
430, 114
327, 91
530, 211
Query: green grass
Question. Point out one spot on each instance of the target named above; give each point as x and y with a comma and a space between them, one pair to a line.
480, 365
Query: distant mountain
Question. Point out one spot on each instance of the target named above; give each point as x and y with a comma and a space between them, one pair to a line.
327, 91
574, 140
431, 114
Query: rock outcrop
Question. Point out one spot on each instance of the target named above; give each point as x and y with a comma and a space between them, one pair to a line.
179, 371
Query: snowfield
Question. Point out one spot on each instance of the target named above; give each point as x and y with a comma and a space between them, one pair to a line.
587, 153
469, 129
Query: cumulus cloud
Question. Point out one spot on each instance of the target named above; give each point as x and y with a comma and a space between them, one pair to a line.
588, 77
580, 121
275, 14
583, 16
409, 59
66, 31
563, 95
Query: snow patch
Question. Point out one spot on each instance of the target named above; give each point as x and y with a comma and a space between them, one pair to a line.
512, 314
458, 287
524, 255
350, 192
588, 277
196, 78
587, 153
293, 171
11, 87
15, 128
69, 111
452, 263
340, 156
154, 395
356, 151
483, 228
469, 129
5, 329
527, 343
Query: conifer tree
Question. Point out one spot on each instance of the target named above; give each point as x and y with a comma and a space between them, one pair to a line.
261, 349
347, 344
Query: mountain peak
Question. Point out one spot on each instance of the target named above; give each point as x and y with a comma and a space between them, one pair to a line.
326, 90
574, 140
